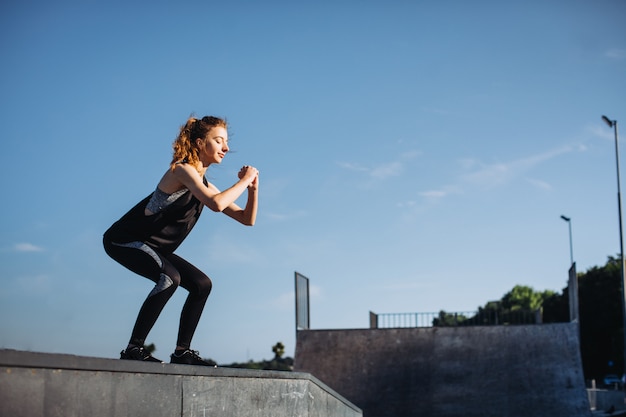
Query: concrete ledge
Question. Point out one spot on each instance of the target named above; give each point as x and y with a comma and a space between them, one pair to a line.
41, 385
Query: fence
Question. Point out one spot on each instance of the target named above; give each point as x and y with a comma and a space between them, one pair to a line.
468, 318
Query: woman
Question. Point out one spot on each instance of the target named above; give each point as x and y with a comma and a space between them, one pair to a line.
145, 238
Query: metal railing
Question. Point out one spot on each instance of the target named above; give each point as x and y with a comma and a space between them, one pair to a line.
447, 319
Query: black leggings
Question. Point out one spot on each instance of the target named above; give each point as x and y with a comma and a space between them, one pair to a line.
168, 272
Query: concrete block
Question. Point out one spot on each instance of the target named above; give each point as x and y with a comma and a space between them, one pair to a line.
47, 385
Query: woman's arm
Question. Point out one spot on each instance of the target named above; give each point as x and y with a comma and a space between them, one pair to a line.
223, 201
247, 215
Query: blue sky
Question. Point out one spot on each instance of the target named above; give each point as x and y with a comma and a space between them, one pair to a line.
414, 156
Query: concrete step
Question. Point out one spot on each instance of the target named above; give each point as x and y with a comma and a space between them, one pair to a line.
36, 384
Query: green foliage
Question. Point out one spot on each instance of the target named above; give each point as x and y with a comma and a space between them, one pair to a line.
524, 298
277, 364
279, 350
447, 319
521, 305
601, 318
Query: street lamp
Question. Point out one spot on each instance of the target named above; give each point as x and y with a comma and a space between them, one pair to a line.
571, 250
613, 124
572, 282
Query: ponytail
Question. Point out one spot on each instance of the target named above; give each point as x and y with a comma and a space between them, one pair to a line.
185, 149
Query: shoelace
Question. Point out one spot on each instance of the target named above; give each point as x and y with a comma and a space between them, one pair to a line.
194, 353
143, 353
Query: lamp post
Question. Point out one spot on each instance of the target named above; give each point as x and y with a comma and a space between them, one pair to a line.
613, 124
571, 250
572, 282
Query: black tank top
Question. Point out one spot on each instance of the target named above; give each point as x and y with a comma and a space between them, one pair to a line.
163, 231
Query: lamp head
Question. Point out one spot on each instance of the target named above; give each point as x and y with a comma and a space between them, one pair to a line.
566, 218
608, 121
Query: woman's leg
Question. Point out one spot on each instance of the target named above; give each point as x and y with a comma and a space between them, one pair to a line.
199, 286
145, 261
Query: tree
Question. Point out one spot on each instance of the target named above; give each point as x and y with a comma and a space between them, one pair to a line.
556, 308
524, 298
519, 306
447, 319
279, 350
601, 320
277, 364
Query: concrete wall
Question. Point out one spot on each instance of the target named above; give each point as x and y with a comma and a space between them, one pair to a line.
499, 371
46, 385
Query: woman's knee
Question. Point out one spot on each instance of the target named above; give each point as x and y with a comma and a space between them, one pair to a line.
172, 273
167, 283
205, 286
200, 285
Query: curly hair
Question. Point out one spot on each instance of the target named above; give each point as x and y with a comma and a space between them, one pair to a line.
184, 147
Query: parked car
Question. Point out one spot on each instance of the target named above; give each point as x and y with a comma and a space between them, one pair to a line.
612, 381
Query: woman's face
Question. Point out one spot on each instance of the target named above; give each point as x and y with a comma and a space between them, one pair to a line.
214, 147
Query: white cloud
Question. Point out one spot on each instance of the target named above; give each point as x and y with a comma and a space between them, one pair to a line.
503, 172
616, 53
492, 175
540, 184
352, 167
406, 204
438, 194
410, 154
392, 169
27, 247
288, 216
434, 194
602, 131
385, 170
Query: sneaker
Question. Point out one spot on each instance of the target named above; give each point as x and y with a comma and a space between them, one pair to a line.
190, 357
138, 353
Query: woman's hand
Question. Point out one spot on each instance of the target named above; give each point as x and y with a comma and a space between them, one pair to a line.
250, 176
250, 173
